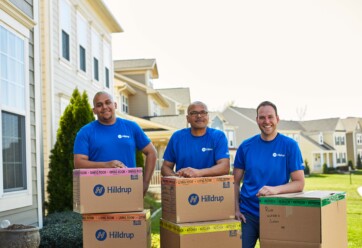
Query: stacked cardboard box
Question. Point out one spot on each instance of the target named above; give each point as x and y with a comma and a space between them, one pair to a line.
111, 204
199, 211
308, 219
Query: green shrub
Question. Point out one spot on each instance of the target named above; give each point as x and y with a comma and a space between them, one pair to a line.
350, 165
325, 169
60, 177
62, 230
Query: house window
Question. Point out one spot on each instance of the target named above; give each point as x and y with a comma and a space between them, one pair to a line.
106, 77
95, 69
107, 61
230, 137
13, 151
359, 139
124, 103
65, 27
321, 141
82, 31
13, 111
95, 54
82, 59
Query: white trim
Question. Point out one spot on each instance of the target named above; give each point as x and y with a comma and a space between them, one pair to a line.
22, 198
38, 117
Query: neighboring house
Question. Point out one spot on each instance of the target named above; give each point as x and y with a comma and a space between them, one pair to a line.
76, 52
331, 136
20, 119
139, 75
321, 141
178, 100
353, 128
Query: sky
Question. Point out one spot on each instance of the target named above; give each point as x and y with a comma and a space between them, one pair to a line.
303, 55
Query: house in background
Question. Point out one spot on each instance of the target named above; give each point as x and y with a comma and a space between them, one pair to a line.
145, 101
76, 52
20, 119
331, 137
353, 128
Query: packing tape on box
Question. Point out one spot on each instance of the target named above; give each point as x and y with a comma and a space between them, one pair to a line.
302, 202
197, 180
116, 217
201, 228
107, 172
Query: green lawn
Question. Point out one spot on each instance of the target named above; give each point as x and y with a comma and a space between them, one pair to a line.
346, 183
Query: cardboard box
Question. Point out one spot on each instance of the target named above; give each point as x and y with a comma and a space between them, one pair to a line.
197, 199
107, 190
307, 219
206, 234
131, 230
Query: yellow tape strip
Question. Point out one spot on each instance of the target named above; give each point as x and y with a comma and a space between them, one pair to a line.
200, 229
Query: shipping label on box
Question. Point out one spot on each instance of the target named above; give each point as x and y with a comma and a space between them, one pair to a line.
316, 218
197, 199
206, 234
131, 230
107, 190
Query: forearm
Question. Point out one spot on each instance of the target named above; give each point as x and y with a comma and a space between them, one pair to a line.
149, 169
222, 168
291, 187
167, 171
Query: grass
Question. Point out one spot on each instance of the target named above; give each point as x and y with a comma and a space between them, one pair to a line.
331, 182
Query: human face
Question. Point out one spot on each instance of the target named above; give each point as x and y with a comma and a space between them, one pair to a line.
198, 117
105, 109
267, 121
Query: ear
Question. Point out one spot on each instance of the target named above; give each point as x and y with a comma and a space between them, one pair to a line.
115, 105
94, 111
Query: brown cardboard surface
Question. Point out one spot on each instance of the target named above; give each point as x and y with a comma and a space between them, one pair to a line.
197, 199
209, 234
131, 230
287, 244
316, 218
107, 190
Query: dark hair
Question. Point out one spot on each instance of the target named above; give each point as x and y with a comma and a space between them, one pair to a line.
267, 103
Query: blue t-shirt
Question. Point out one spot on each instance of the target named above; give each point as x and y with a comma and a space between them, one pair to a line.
103, 143
199, 152
265, 163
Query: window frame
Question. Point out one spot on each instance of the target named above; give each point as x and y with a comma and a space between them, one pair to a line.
18, 198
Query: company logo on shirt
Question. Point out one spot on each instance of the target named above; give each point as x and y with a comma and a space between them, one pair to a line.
278, 155
204, 149
120, 136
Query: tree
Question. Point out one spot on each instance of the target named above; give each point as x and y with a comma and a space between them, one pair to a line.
306, 168
359, 162
60, 177
350, 165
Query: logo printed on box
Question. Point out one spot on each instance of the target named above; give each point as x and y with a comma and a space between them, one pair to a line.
101, 235
194, 199
99, 190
